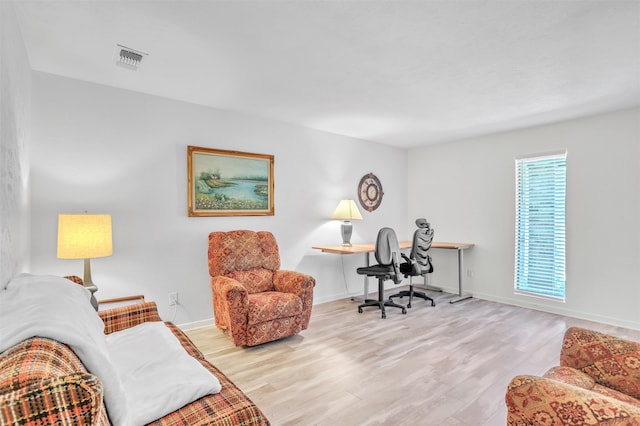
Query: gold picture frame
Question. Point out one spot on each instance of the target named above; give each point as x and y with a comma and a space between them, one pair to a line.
229, 183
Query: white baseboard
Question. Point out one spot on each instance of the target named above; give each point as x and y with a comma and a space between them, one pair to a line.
531, 304
196, 324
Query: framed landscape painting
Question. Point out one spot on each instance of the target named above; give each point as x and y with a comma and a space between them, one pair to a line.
229, 183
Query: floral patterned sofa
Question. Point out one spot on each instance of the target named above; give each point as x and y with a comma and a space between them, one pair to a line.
43, 382
597, 382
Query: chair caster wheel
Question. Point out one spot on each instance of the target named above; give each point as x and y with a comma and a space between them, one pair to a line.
359, 310
433, 303
384, 316
409, 305
404, 312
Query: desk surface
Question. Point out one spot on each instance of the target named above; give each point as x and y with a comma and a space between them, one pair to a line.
370, 247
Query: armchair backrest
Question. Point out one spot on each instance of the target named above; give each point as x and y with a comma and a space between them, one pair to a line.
247, 256
419, 258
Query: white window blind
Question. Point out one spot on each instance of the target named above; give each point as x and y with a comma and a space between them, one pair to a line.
540, 225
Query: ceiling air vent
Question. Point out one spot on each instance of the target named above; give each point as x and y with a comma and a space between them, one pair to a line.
127, 57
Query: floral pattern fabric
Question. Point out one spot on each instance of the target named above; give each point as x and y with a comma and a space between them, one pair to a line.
594, 385
612, 362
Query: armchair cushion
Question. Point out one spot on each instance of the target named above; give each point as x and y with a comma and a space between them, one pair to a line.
255, 280
242, 251
271, 305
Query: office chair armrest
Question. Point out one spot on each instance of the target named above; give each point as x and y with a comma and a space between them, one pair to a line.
398, 276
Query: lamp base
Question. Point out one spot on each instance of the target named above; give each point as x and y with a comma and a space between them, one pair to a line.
89, 285
347, 229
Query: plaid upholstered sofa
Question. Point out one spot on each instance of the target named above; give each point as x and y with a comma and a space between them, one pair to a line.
597, 383
43, 382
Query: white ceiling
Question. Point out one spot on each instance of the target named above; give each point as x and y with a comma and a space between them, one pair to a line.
403, 73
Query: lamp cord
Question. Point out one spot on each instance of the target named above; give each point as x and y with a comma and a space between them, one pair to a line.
344, 276
175, 311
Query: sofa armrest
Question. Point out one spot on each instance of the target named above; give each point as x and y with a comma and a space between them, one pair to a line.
540, 401
611, 361
300, 284
74, 399
230, 307
124, 317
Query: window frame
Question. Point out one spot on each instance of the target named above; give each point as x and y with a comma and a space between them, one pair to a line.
532, 266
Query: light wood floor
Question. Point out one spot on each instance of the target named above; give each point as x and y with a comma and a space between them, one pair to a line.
443, 365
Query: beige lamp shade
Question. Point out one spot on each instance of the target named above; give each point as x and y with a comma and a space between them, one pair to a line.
347, 210
84, 236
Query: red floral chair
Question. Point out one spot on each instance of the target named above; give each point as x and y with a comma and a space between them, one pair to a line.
254, 301
597, 383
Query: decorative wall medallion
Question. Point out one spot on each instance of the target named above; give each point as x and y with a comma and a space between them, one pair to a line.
370, 192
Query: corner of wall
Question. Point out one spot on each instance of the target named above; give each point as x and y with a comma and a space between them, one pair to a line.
15, 92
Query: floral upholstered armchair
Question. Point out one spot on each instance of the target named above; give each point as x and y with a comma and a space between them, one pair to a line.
597, 383
254, 301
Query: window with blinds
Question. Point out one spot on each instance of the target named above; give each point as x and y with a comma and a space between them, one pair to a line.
541, 183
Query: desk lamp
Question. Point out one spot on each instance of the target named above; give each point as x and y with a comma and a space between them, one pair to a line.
85, 236
346, 211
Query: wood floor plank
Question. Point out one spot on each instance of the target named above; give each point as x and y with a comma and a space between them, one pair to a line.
443, 365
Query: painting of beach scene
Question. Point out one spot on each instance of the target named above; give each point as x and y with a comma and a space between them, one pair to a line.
229, 183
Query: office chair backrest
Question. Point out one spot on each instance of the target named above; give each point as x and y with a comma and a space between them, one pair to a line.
388, 251
422, 239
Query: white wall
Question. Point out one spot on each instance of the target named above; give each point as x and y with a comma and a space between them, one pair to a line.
470, 196
106, 150
15, 95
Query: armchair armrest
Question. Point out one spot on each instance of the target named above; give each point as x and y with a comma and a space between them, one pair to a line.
230, 307
300, 284
124, 317
292, 282
541, 401
611, 361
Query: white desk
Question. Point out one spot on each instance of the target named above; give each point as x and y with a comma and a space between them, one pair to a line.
370, 248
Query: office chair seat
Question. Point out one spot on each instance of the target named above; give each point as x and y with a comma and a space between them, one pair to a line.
375, 270
387, 253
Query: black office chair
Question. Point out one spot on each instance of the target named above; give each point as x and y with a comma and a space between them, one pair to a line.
387, 254
419, 262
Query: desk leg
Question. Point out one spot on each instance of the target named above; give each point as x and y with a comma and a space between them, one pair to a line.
460, 296
366, 280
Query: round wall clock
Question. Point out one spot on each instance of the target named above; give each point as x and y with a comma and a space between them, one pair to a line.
370, 192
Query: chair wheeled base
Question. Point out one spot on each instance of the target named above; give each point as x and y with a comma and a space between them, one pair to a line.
381, 303
411, 294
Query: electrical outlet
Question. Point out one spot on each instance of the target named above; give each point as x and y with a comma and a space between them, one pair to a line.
173, 298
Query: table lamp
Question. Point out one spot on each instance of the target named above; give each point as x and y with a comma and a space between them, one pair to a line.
85, 236
346, 211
